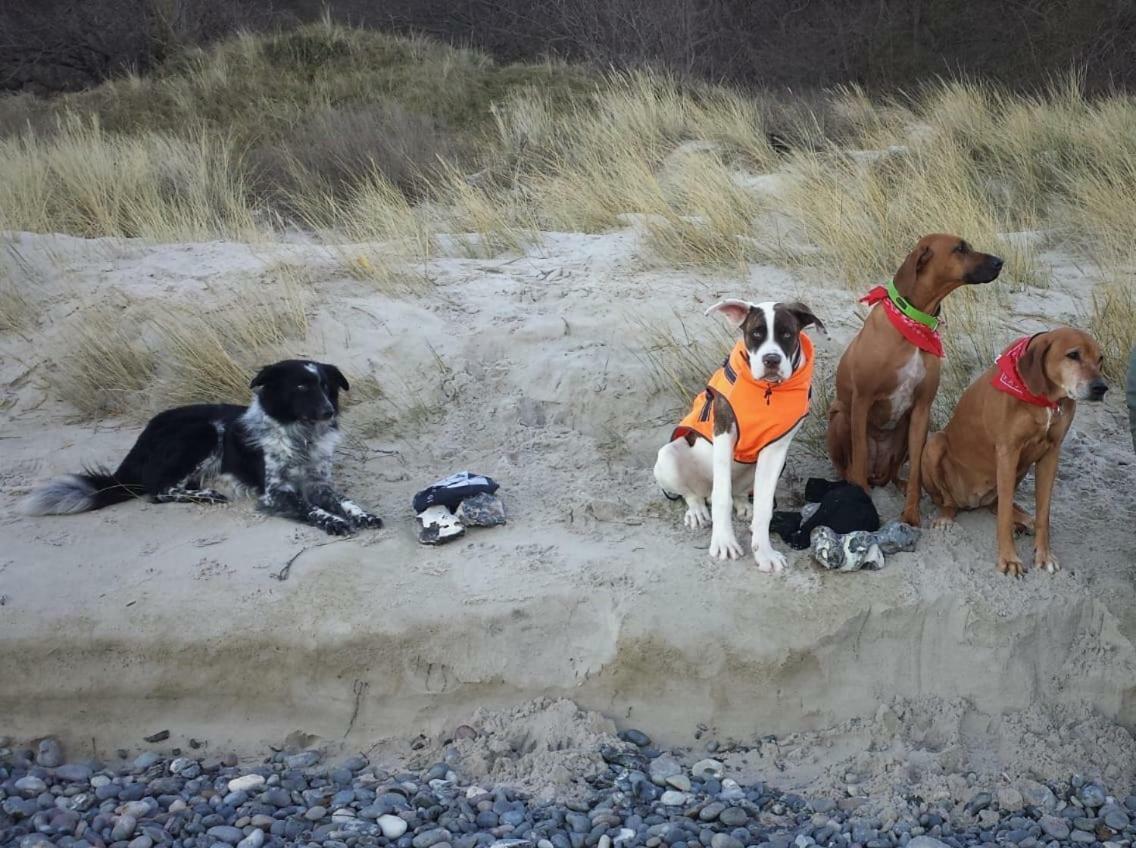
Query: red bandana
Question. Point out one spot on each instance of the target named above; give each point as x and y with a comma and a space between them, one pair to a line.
920, 335
1008, 380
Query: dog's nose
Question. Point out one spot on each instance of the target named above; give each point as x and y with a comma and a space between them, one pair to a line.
1097, 388
771, 360
326, 412
996, 263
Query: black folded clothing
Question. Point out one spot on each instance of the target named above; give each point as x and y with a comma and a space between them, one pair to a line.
844, 507
453, 490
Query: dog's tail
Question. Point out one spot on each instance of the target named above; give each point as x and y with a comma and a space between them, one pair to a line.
71, 493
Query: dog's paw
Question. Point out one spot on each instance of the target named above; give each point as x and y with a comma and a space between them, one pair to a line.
209, 496
941, 521
768, 560
697, 515
1046, 561
743, 508
367, 520
333, 525
725, 546
1010, 565
911, 517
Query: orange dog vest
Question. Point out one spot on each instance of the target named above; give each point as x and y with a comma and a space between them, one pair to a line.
765, 411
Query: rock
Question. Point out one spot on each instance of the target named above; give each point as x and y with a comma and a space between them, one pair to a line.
246, 783
430, 838
823, 805
74, 773
253, 840
36, 840
1116, 819
926, 842
704, 769
226, 833
673, 798
302, 760
663, 767
1054, 827
392, 826
979, 802
679, 781
124, 828
724, 840
711, 812
1038, 795
636, 737
484, 510
315, 814
278, 797
30, 786
1093, 795
49, 753
734, 817
142, 841
1010, 799
1082, 837
144, 761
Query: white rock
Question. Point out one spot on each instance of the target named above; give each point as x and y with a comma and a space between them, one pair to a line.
474, 791
177, 806
253, 840
673, 798
246, 783
680, 782
707, 768
392, 826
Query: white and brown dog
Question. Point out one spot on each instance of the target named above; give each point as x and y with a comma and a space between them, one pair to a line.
741, 424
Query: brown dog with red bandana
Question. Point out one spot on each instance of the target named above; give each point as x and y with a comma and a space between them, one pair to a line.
1011, 418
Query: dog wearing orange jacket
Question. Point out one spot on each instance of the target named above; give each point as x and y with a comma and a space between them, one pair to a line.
739, 428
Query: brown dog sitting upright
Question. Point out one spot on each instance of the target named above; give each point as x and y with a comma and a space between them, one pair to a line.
1013, 416
888, 376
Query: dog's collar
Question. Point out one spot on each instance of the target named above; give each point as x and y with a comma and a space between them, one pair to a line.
907, 308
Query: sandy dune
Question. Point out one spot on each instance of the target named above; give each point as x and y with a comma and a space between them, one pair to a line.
530, 368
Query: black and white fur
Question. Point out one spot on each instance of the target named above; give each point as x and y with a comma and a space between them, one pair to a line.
280, 446
703, 470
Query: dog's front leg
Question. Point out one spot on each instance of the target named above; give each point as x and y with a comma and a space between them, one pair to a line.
286, 501
1045, 474
916, 440
1007, 467
723, 543
770, 463
329, 499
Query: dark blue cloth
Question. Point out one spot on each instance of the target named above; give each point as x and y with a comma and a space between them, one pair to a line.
453, 490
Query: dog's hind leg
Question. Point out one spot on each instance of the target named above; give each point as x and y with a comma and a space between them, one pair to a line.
683, 470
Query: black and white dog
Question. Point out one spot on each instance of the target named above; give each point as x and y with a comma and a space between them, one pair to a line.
280, 446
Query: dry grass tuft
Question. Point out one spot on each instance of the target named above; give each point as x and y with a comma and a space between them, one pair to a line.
680, 359
149, 355
1112, 323
89, 183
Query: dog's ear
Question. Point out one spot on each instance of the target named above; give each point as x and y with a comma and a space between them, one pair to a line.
913, 265
735, 311
804, 316
261, 377
1031, 367
335, 376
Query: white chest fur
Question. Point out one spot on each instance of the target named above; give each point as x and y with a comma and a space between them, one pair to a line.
909, 378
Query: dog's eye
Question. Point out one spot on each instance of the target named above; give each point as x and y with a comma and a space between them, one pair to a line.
960, 247
1075, 355
302, 387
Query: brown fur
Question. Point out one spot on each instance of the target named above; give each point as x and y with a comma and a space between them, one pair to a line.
993, 439
867, 442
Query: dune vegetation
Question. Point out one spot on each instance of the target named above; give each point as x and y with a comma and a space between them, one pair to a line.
387, 143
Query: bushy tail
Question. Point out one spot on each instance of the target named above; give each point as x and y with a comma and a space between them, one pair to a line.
71, 493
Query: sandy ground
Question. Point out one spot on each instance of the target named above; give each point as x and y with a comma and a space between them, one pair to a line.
139, 618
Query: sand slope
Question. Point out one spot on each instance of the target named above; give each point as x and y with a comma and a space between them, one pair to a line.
531, 369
